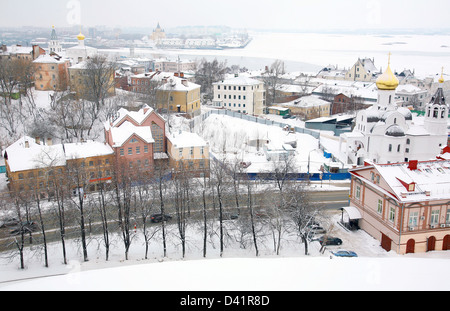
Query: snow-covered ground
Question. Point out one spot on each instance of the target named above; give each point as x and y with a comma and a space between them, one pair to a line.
238, 269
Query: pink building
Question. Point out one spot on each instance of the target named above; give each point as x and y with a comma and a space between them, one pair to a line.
405, 206
137, 138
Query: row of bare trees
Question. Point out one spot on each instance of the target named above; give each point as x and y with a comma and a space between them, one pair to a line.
266, 212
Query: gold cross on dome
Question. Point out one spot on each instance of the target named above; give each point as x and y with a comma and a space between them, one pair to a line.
389, 58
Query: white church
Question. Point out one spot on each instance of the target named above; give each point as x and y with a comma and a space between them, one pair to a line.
386, 133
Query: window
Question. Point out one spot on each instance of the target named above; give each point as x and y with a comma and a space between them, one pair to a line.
133, 140
392, 214
180, 152
358, 192
91, 163
447, 217
130, 150
413, 219
191, 152
121, 152
138, 150
146, 149
434, 217
390, 147
20, 175
380, 206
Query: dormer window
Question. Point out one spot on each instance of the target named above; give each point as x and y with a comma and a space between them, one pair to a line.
411, 187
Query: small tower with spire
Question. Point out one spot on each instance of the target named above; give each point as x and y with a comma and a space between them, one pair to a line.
436, 111
54, 45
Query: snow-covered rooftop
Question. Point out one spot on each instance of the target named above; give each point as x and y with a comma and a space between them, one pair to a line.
182, 139
432, 179
26, 154
126, 130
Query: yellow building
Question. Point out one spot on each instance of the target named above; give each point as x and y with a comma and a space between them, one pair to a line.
35, 166
363, 70
80, 77
179, 95
188, 152
308, 107
158, 34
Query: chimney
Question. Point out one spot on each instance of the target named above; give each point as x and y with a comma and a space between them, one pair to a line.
413, 165
181, 74
176, 74
49, 141
184, 82
37, 139
27, 144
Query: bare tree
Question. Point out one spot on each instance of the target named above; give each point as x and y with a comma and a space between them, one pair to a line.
77, 176
209, 72
272, 80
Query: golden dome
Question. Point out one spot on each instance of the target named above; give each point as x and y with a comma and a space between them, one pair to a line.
441, 80
387, 81
80, 36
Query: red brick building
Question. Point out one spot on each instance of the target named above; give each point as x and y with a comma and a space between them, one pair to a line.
137, 138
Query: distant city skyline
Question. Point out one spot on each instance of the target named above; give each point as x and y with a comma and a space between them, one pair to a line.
249, 14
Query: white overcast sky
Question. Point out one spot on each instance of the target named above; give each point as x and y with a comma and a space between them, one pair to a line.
249, 14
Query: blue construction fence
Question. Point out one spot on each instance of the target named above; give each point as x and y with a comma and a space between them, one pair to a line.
299, 176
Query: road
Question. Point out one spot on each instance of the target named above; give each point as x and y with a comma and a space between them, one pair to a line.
326, 198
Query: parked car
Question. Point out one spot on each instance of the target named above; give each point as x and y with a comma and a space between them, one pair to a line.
330, 240
286, 116
25, 227
315, 229
159, 217
344, 253
229, 216
8, 222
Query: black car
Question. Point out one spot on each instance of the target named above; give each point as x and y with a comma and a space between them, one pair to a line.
330, 241
8, 222
25, 227
229, 216
159, 217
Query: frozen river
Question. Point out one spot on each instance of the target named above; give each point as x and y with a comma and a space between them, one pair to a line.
309, 52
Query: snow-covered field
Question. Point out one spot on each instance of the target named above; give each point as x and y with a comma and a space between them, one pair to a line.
237, 270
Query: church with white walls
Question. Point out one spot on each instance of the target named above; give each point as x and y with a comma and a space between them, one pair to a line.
386, 133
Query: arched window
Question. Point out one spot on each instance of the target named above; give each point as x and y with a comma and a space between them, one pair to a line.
408, 141
390, 147
395, 120
435, 113
390, 98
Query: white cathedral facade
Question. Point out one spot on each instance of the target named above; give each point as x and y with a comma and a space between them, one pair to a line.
386, 133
